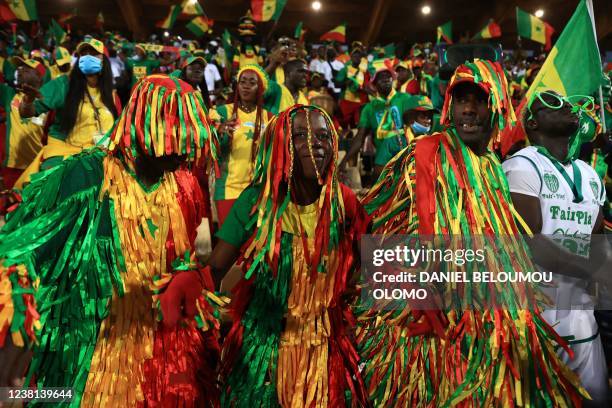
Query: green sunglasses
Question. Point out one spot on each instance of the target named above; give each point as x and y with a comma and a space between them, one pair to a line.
579, 102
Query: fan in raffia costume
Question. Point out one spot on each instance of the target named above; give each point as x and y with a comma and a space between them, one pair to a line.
497, 356
86, 255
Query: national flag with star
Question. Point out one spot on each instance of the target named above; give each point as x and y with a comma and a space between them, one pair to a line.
560, 71
266, 10
24, 9
168, 22
100, 21
491, 30
445, 32
191, 8
63, 18
57, 32
531, 27
199, 26
338, 34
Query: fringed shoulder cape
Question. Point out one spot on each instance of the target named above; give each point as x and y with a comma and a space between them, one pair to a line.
82, 260
500, 356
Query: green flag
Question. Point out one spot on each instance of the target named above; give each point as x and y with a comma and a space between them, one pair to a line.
573, 66
445, 32
57, 31
299, 32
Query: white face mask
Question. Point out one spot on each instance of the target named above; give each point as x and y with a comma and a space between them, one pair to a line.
16, 81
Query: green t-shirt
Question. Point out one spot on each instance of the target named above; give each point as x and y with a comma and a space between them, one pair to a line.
373, 112
235, 229
141, 69
53, 98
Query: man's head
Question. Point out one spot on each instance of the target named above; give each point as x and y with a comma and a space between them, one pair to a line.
383, 81
312, 143
477, 104
295, 73
419, 115
139, 52
470, 113
29, 72
193, 67
551, 118
316, 80
322, 52
403, 73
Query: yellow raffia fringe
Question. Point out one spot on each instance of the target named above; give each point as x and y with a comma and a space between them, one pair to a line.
127, 334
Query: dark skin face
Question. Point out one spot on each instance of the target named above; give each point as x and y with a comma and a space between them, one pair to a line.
247, 87
150, 169
356, 58
551, 128
402, 75
296, 78
140, 53
422, 117
306, 184
194, 73
321, 51
28, 76
471, 116
316, 82
384, 83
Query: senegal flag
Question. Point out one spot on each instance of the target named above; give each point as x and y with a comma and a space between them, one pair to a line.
445, 32
199, 26
57, 31
338, 34
24, 9
491, 30
298, 34
168, 22
266, 10
529, 26
573, 66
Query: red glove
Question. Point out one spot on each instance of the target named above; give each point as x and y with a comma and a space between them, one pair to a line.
179, 298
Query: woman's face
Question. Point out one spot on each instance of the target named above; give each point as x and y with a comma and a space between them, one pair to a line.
309, 164
247, 86
90, 51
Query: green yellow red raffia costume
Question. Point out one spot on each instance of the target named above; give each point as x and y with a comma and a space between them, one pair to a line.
290, 343
501, 356
85, 255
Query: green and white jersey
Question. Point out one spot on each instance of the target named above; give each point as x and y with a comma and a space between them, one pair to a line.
569, 202
570, 199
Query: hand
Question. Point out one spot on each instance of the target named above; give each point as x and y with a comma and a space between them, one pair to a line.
14, 362
30, 92
179, 299
227, 127
279, 55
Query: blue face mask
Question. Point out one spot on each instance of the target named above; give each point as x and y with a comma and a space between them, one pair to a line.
419, 129
90, 65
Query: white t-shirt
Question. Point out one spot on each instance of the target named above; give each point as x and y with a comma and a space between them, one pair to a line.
212, 75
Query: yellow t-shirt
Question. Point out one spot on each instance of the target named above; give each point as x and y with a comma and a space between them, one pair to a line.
236, 162
288, 101
24, 138
86, 126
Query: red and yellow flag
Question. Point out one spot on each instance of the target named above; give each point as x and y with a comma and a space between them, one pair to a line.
338, 34
491, 30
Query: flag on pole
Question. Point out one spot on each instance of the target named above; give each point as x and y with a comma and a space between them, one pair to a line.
191, 8
445, 32
64, 17
561, 72
299, 32
491, 30
100, 21
266, 10
168, 22
199, 26
338, 34
57, 32
529, 26
24, 9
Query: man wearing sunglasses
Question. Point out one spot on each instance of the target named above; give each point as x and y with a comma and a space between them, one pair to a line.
561, 198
